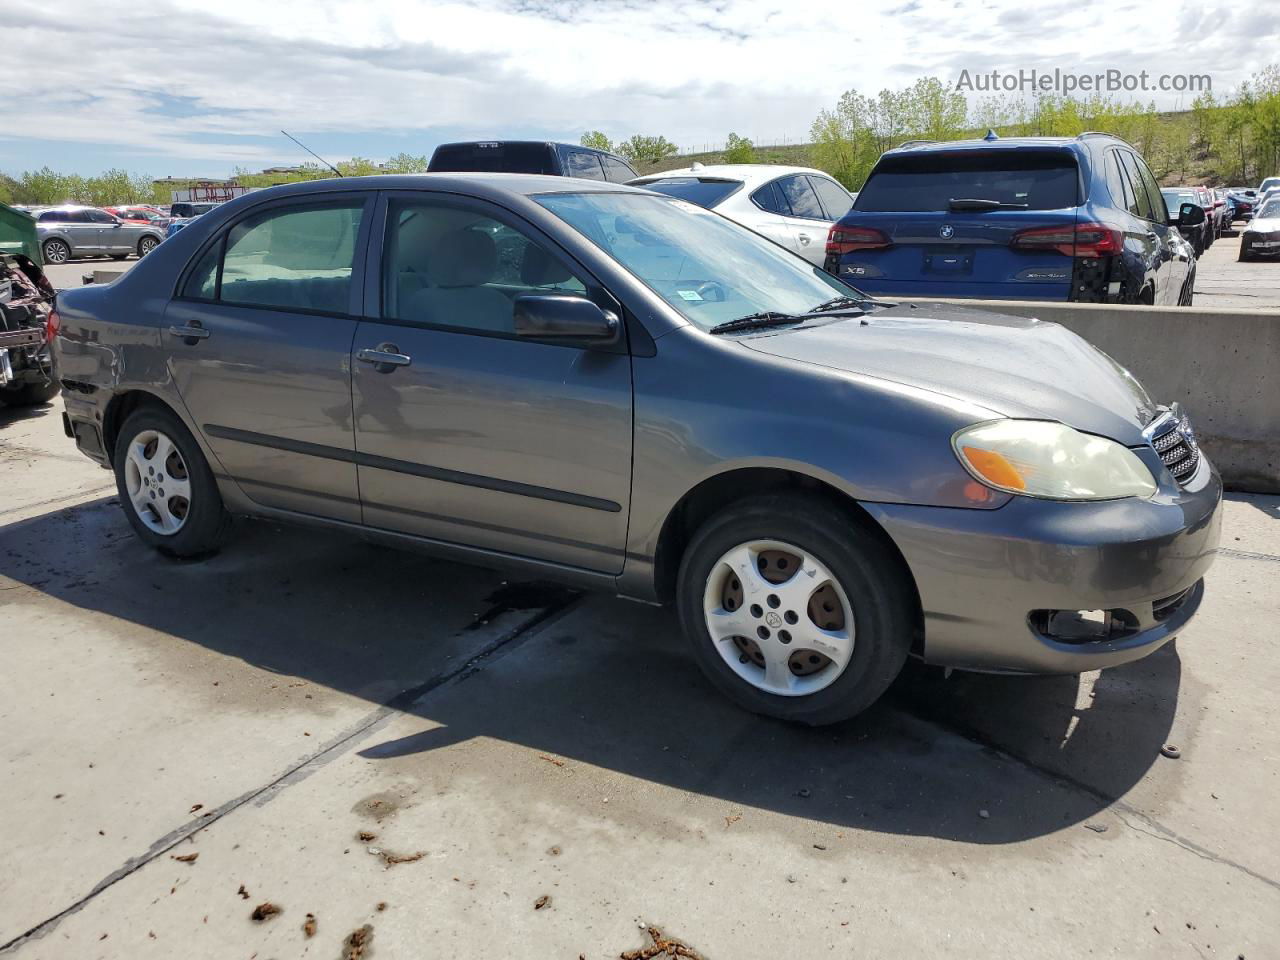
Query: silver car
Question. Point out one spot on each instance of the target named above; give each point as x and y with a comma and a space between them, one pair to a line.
628, 392
71, 232
792, 206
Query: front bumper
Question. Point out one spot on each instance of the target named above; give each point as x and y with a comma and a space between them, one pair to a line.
1260, 245
985, 577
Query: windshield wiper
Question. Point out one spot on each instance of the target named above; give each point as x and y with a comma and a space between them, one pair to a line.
974, 203
751, 321
841, 303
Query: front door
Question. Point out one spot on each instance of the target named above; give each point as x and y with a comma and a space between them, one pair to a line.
468, 434
259, 346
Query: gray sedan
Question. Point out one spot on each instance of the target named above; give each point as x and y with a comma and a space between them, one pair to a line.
628, 392
71, 232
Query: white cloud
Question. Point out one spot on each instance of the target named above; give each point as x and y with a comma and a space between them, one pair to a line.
690, 70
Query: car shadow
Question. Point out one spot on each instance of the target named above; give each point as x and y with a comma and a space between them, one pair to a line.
10, 414
609, 684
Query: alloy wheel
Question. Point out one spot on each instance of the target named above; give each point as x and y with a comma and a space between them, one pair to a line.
55, 251
158, 482
779, 618
146, 245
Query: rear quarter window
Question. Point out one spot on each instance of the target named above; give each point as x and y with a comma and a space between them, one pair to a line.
928, 182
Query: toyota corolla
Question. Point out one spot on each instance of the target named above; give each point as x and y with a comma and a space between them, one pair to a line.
628, 392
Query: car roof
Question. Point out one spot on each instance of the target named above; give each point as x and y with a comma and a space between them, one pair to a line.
1002, 143
486, 185
747, 173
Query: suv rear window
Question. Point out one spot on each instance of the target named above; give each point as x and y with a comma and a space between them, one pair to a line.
928, 182
704, 191
494, 157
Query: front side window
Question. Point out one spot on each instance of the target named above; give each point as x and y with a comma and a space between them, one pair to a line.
100, 216
453, 267
292, 258
1141, 202
706, 267
800, 195
1152, 186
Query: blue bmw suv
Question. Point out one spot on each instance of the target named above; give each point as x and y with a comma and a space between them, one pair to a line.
1034, 218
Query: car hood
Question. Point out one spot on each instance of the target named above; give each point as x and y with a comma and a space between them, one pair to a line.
1012, 366
1263, 225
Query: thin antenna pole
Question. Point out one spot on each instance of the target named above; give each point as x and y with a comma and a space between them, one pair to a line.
312, 152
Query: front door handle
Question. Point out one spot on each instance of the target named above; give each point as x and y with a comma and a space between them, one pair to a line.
384, 355
190, 334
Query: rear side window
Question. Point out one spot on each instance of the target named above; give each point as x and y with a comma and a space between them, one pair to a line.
928, 182
1141, 202
800, 195
835, 198
290, 258
704, 191
494, 157
770, 198
615, 171
580, 163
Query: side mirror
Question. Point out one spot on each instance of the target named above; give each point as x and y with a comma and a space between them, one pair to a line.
1190, 215
558, 317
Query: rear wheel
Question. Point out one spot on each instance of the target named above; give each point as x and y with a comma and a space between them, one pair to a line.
794, 609
166, 487
55, 251
31, 394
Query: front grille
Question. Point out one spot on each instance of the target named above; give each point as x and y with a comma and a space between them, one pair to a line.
1176, 446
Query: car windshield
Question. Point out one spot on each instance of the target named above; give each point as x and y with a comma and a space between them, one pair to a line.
704, 191
709, 269
929, 182
1270, 209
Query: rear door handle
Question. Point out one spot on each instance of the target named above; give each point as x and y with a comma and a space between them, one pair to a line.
804, 238
386, 354
190, 333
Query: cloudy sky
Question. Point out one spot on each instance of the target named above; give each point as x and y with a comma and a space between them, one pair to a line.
183, 87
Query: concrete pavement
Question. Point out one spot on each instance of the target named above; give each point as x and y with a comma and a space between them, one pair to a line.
307, 714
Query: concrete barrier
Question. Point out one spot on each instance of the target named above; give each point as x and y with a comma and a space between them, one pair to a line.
1223, 366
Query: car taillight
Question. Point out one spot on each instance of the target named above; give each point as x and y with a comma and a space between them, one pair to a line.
1072, 240
843, 240
52, 324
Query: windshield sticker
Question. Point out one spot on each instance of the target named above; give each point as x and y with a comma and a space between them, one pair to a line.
691, 295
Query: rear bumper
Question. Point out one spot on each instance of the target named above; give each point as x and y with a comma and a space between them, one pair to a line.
986, 577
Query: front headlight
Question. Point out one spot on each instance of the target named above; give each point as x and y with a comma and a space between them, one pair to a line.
1037, 458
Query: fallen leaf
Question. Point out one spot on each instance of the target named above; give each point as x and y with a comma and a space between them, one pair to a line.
541, 902
309, 925
661, 946
557, 762
731, 820
264, 910
382, 905
366, 835
243, 893
185, 858
357, 942
195, 807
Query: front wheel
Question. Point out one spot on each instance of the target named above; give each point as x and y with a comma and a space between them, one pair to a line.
166, 487
146, 245
56, 251
795, 609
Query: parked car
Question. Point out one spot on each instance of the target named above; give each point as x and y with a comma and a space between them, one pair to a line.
26, 370
1035, 218
1270, 183
1198, 235
628, 392
1261, 238
70, 232
792, 206
1243, 200
175, 225
186, 209
526, 156
145, 215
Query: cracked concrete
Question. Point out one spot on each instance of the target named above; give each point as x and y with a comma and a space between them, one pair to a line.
248, 709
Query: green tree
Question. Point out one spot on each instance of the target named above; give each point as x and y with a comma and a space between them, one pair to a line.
597, 140
934, 111
739, 150
642, 149
406, 163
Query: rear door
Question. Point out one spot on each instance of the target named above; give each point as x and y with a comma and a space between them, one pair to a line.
474, 436
75, 225
807, 222
259, 347
1165, 269
945, 223
774, 220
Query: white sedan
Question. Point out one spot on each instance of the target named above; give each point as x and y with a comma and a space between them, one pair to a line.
792, 206
1261, 238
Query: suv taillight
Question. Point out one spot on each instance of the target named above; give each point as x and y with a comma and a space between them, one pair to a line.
843, 240
52, 324
1072, 240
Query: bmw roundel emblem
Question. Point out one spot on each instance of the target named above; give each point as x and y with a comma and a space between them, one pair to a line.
946, 231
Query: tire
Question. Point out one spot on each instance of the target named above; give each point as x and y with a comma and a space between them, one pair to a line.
1245, 256
146, 245
55, 251
190, 519
860, 578
30, 394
